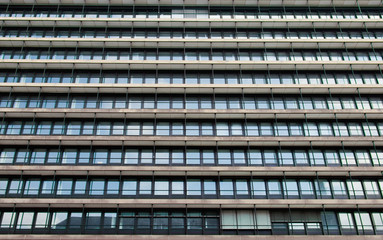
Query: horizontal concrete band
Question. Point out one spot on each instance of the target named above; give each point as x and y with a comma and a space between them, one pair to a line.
188, 65
192, 43
192, 88
188, 237
189, 141
192, 203
188, 23
203, 171
190, 114
278, 3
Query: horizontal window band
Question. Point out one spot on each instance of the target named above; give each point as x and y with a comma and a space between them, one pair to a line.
189, 65
190, 114
188, 170
268, 3
188, 43
190, 141
79, 88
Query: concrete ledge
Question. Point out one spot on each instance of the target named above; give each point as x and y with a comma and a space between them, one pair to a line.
192, 88
190, 22
188, 65
191, 43
121, 113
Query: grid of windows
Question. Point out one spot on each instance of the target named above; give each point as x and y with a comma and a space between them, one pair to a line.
192, 13
141, 221
131, 101
192, 34
217, 77
192, 156
193, 55
179, 187
192, 128
236, 184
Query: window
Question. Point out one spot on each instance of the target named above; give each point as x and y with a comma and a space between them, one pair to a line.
161, 187
177, 187
25, 220
258, 188
322, 187
355, 189
290, 189
64, 187
193, 187
42, 220
129, 187
93, 220
224, 157
346, 223
96, 187
8, 220
32, 187
274, 188
192, 156
59, 220
145, 187
100, 156
241, 187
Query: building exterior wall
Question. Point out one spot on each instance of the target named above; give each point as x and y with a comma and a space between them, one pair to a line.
191, 119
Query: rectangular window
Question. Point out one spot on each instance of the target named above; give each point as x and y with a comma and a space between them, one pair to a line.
177, 187
129, 187
193, 187
241, 187
346, 223
226, 187
59, 220
193, 157
224, 157
162, 156
131, 156
25, 220
100, 156
42, 220
161, 188
8, 220
93, 220
96, 187
32, 187
64, 187
145, 187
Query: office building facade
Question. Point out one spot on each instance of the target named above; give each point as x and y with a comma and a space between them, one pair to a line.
172, 119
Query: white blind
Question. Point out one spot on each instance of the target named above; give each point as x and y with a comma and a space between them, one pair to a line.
229, 220
263, 219
245, 219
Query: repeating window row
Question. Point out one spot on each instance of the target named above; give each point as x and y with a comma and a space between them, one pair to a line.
202, 55
112, 221
191, 34
200, 13
192, 128
191, 221
193, 156
196, 78
132, 101
189, 187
